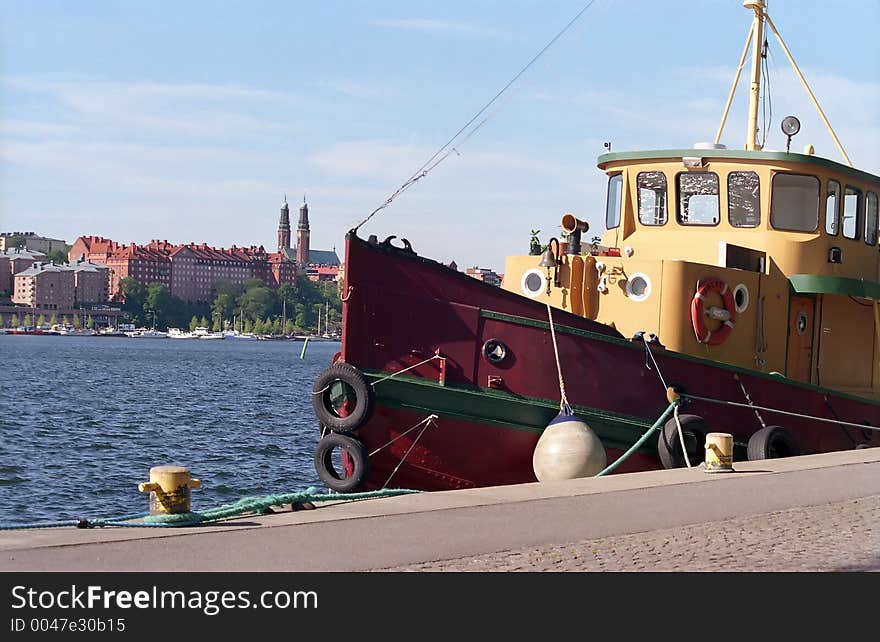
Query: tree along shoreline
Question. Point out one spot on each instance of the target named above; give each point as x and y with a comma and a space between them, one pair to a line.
249, 307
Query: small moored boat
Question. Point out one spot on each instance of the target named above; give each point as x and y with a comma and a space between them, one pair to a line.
146, 333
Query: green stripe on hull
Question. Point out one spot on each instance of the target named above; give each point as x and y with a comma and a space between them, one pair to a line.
502, 409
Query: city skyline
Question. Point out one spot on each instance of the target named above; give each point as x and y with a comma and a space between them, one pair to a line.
191, 123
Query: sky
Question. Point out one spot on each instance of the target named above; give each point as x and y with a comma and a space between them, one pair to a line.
191, 121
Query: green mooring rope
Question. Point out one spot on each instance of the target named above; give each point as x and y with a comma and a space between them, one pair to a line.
642, 440
244, 506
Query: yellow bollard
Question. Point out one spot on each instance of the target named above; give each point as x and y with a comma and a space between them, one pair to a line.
169, 489
719, 452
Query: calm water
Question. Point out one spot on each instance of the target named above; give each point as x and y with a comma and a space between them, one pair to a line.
83, 419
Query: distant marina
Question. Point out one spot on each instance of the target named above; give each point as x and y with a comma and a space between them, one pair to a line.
172, 333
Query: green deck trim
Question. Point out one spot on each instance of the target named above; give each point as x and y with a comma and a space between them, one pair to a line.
739, 154
564, 329
828, 284
504, 409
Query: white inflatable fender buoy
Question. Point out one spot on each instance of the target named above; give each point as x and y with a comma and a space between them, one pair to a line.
568, 449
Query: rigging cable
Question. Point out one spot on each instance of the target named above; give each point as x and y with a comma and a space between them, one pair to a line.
443, 153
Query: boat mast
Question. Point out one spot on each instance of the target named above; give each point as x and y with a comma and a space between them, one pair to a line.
757, 35
756, 39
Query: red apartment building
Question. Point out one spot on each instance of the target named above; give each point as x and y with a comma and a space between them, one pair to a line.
61, 287
45, 287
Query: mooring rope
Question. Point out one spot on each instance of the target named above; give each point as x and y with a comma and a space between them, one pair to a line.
656, 367
563, 402
684, 450
675, 410
400, 372
663, 417
428, 422
245, 506
404, 434
781, 412
751, 406
749, 399
391, 376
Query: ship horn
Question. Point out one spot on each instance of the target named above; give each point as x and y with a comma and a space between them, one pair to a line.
574, 226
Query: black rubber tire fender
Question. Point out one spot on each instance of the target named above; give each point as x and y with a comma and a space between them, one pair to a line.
363, 394
669, 445
334, 479
772, 442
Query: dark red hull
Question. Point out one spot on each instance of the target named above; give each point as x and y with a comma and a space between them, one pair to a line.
401, 310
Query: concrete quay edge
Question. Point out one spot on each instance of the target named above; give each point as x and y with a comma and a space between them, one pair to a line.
413, 529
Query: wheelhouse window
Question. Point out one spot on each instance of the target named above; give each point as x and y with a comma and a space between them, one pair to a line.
832, 208
852, 211
652, 198
698, 198
871, 219
743, 199
614, 202
794, 203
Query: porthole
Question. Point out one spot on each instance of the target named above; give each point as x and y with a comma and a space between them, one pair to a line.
532, 283
638, 286
741, 298
801, 323
494, 351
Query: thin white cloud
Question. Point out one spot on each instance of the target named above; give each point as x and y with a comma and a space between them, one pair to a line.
373, 160
105, 110
154, 91
26, 128
356, 89
430, 25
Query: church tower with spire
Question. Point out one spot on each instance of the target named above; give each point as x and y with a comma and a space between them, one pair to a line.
302, 235
284, 227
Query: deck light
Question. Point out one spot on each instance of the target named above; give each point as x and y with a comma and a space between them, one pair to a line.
790, 127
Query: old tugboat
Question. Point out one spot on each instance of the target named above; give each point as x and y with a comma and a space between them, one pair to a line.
738, 286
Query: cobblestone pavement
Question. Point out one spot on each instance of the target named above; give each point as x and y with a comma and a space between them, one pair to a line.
843, 536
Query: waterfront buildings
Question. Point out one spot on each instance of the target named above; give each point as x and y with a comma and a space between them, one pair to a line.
31, 240
191, 271
485, 275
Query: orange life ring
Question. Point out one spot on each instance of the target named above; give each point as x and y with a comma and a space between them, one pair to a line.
698, 313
